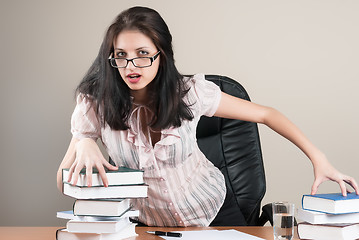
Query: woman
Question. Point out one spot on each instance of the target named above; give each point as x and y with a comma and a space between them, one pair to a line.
146, 113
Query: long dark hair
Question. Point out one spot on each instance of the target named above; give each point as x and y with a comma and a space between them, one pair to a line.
104, 86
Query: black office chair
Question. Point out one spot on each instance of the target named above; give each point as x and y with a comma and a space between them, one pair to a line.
234, 147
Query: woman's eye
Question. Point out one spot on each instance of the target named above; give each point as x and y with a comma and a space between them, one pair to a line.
120, 54
142, 52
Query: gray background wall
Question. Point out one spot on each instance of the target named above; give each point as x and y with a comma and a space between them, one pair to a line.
300, 57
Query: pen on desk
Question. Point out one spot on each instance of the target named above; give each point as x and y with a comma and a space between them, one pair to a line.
169, 234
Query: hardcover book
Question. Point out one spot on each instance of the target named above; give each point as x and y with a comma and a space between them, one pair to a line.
333, 203
120, 191
328, 232
64, 234
122, 176
97, 226
70, 215
101, 207
325, 218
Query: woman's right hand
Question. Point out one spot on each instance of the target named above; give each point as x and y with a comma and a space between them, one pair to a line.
88, 155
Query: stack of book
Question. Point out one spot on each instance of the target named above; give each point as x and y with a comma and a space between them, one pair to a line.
329, 216
99, 212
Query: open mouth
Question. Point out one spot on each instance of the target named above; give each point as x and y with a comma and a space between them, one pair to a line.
134, 77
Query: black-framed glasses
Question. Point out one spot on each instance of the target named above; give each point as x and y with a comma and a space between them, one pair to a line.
140, 62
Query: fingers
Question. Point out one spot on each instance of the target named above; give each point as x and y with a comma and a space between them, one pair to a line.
70, 172
341, 181
318, 182
101, 171
343, 188
325, 171
89, 176
76, 175
109, 166
314, 190
351, 181
315, 186
88, 155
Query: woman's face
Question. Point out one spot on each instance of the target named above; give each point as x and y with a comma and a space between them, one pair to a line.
132, 44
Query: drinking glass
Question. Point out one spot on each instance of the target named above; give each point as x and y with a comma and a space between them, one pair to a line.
283, 220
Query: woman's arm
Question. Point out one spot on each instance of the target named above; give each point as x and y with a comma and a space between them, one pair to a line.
67, 161
236, 108
83, 153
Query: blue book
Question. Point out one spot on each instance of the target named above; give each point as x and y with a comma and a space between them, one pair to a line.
333, 203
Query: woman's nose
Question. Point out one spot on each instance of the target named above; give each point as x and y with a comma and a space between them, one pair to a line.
131, 65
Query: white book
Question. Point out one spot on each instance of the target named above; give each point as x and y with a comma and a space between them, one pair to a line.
333, 203
70, 215
325, 218
328, 232
122, 191
97, 226
101, 207
129, 231
122, 176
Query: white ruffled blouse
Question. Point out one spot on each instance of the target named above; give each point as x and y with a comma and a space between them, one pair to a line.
185, 188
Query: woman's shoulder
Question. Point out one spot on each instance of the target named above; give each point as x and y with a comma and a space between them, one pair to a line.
190, 81
198, 82
194, 77
85, 102
84, 98
200, 88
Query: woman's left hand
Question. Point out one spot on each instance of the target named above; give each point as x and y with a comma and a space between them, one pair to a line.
324, 171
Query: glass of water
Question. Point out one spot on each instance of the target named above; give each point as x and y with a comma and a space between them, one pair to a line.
283, 220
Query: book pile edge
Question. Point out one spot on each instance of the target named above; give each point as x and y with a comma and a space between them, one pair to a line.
102, 213
329, 216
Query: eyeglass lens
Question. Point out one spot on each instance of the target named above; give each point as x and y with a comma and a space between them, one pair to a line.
138, 62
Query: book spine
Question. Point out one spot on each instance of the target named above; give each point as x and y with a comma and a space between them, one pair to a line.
57, 232
303, 201
73, 207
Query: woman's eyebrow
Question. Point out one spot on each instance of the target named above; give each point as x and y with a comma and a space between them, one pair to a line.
139, 48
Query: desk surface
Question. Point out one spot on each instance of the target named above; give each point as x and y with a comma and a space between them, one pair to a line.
48, 233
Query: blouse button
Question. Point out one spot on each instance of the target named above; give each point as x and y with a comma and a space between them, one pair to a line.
165, 191
162, 179
176, 214
170, 203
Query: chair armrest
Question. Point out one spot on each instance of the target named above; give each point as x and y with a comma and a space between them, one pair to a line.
267, 215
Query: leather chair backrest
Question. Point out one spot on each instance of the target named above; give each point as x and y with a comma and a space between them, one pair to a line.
234, 147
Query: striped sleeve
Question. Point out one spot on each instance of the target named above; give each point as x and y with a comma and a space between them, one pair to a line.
84, 120
208, 95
